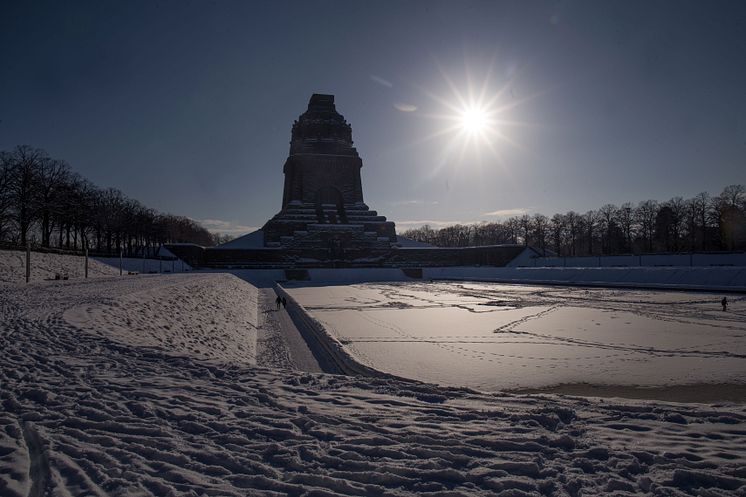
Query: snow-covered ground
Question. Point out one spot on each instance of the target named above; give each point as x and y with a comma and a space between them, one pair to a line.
493, 336
46, 266
138, 386
206, 317
145, 266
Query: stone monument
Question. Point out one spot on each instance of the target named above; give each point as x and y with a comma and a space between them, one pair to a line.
322, 201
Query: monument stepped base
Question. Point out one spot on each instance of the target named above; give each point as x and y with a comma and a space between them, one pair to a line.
310, 257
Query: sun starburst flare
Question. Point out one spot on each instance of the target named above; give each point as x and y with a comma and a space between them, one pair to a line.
476, 116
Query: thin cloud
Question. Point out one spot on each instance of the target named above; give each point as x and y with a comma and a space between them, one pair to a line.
226, 227
382, 81
433, 223
508, 212
402, 107
414, 202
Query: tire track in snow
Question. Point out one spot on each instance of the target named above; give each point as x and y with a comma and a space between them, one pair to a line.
39, 463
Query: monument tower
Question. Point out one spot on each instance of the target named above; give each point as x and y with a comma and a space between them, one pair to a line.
322, 201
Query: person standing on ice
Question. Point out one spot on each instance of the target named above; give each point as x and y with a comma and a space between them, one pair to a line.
284, 303
724, 303
278, 301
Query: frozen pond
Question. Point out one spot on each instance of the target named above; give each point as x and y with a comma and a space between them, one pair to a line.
496, 336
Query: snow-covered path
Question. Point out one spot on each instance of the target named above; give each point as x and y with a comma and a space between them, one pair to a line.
280, 343
88, 411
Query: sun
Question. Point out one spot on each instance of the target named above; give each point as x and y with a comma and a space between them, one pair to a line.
474, 120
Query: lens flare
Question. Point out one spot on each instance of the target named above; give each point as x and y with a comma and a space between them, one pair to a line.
478, 116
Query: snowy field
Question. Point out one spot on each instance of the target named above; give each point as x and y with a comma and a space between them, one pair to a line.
177, 385
491, 336
46, 266
145, 266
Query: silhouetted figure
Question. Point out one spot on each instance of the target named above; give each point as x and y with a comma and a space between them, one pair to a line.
724, 303
278, 301
284, 303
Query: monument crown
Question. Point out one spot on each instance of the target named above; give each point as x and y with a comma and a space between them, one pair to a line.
323, 166
321, 130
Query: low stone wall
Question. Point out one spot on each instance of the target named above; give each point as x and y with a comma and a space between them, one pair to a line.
728, 279
194, 255
495, 256
335, 352
704, 259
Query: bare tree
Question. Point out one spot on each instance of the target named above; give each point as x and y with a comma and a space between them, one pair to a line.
557, 228
729, 216
678, 213
525, 225
645, 215
23, 188
540, 226
5, 196
590, 223
51, 179
573, 221
625, 220
513, 225
607, 218
702, 205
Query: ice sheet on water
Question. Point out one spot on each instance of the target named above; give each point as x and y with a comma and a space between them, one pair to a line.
452, 333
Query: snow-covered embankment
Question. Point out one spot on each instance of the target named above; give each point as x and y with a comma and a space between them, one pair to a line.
46, 266
49, 266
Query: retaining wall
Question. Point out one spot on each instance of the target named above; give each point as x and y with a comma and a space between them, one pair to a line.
732, 279
312, 330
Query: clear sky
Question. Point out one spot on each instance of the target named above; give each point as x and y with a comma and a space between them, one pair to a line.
187, 106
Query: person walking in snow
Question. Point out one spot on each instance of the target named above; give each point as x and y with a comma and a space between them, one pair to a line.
724, 303
284, 303
278, 301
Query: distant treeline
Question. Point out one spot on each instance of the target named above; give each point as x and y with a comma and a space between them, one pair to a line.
44, 202
703, 223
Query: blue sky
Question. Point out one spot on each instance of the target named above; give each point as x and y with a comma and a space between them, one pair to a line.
187, 106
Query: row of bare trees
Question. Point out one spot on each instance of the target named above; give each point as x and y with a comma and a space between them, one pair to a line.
703, 223
42, 201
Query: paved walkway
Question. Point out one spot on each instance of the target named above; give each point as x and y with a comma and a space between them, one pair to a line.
279, 342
